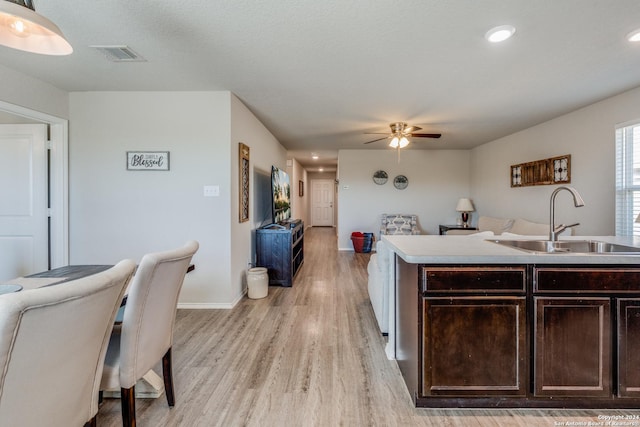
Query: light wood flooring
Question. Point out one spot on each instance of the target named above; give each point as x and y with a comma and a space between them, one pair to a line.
310, 355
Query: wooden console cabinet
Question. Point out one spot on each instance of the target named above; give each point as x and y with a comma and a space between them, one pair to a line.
280, 248
557, 336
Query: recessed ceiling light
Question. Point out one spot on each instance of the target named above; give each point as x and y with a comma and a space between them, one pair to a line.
634, 36
320, 170
314, 156
500, 33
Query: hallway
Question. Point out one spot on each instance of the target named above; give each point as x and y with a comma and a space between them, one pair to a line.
310, 355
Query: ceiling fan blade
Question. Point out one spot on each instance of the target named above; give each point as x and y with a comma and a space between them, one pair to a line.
376, 133
410, 129
426, 135
375, 140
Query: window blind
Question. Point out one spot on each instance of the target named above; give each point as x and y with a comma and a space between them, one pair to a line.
627, 179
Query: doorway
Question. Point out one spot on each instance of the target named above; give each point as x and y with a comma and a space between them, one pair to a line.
56, 212
322, 202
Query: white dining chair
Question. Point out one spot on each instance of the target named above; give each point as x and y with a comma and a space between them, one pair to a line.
52, 346
145, 335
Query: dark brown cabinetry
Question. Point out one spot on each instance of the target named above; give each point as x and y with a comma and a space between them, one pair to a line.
628, 314
280, 248
572, 347
578, 339
519, 335
472, 344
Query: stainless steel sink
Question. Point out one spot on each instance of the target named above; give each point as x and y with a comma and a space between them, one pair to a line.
568, 246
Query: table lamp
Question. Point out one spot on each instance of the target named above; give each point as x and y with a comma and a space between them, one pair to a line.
465, 206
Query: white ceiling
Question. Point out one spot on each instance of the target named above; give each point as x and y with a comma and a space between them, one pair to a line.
319, 74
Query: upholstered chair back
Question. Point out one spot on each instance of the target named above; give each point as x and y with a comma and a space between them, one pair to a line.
149, 316
399, 224
52, 347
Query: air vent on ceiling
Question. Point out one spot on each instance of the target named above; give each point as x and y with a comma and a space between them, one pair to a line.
119, 53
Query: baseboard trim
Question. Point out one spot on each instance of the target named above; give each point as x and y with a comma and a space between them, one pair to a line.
212, 305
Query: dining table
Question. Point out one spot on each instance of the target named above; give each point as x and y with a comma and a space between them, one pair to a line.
54, 276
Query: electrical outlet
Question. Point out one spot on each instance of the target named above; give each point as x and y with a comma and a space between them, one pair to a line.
211, 190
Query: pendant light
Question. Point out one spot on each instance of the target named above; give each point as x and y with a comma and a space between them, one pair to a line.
23, 29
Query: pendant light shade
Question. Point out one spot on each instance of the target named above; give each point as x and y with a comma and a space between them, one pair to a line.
23, 29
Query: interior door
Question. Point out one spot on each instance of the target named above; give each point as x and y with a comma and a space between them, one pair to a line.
24, 236
322, 202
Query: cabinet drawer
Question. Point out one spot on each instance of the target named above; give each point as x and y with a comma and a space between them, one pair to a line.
471, 279
587, 279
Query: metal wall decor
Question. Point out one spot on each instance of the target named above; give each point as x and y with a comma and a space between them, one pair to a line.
380, 177
554, 170
400, 182
243, 156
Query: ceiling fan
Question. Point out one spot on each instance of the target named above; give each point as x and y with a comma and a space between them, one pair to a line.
400, 134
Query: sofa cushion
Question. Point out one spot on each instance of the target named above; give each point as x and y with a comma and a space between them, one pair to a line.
497, 225
522, 226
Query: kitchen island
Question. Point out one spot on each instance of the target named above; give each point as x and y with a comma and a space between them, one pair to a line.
478, 324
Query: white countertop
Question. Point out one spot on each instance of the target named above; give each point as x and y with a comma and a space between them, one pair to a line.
432, 249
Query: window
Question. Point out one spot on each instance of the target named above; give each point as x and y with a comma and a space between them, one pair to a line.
627, 179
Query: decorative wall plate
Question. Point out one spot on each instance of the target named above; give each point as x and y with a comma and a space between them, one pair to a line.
400, 182
380, 177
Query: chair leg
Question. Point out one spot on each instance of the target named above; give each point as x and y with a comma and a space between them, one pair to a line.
167, 373
128, 403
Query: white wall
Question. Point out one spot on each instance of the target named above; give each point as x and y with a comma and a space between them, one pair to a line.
299, 205
437, 179
265, 151
118, 214
26, 91
588, 135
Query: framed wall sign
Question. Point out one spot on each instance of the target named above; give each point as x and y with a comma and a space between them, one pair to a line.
148, 160
243, 166
301, 188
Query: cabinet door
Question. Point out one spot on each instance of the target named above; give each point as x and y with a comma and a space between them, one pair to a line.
572, 347
628, 347
474, 346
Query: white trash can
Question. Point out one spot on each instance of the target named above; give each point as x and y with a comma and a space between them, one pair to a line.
257, 282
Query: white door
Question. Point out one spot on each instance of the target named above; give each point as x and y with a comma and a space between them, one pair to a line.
322, 202
24, 241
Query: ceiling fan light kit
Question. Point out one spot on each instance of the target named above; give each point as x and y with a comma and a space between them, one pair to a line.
401, 135
399, 142
23, 29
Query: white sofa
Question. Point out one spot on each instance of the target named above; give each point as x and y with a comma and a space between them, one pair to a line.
381, 275
508, 225
381, 263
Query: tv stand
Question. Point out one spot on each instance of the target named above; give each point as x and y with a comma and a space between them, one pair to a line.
280, 248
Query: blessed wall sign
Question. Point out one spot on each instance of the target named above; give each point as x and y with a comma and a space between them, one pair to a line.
148, 160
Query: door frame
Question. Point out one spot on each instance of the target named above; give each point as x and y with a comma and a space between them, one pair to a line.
58, 179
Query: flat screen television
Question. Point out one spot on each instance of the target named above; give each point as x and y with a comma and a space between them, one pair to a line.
281, 192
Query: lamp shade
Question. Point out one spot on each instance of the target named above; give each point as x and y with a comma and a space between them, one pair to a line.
23, 29
465, 205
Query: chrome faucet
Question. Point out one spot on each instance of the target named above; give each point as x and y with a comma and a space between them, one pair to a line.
577, 201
